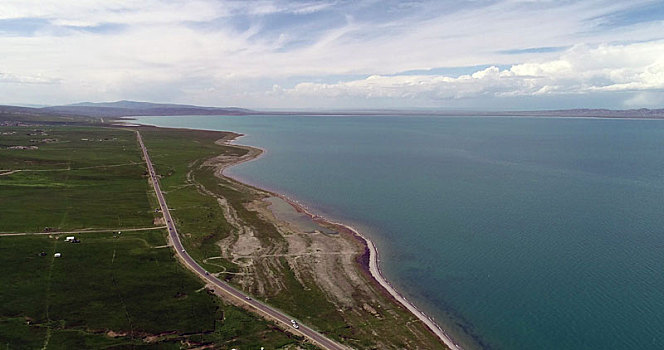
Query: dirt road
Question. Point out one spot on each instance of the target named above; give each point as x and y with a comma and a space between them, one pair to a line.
80, 231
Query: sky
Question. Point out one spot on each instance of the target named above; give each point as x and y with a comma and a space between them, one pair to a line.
335, 54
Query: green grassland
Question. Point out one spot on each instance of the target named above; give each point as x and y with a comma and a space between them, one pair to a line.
109, 291
129, 284
79, 177
200, 221
36, 116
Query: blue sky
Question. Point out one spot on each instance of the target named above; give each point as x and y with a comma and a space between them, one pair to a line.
501, 54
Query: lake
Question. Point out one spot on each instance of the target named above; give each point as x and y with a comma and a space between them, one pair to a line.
513, 233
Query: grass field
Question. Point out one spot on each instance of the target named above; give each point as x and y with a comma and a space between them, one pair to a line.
19, 114
79, 177
128, 284
109, 291
200, 222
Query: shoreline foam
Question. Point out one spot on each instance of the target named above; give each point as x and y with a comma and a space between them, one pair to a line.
373, 266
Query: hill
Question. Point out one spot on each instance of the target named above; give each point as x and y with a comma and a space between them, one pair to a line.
133, 108
92, 112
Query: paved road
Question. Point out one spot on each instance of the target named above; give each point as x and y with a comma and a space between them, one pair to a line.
272, 313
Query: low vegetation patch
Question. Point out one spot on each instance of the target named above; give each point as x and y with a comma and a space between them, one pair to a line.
107, 290
111, 290
90, 178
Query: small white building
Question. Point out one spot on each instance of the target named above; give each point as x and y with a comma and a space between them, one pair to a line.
70, 238
57, 255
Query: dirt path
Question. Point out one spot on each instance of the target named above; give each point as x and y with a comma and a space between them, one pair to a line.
9, 172
295, 254
3, 234
47, 338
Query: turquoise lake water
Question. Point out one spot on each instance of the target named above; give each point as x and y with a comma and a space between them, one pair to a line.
514, 233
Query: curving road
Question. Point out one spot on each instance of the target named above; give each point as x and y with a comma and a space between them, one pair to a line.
243, 298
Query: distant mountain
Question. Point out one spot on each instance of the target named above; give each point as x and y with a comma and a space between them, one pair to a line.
599, 113
133, 108
37, 115
567, 113
92, 112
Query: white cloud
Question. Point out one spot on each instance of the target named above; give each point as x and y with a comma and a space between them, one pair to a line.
580, 70
90, 13
196, 50
26, 79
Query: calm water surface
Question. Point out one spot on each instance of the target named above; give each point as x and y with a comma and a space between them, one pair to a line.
514, 233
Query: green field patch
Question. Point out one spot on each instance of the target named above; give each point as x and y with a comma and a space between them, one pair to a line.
117, 283
110, 290
201, 223
97, 183
22, 335
34, 184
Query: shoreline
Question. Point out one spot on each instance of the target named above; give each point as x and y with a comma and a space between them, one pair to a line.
369, 264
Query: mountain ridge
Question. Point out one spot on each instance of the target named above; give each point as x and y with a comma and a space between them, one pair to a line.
127, 108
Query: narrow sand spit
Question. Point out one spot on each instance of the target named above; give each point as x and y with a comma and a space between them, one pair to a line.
374, 267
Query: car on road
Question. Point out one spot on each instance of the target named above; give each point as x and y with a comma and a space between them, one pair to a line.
207, 273
248, 298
